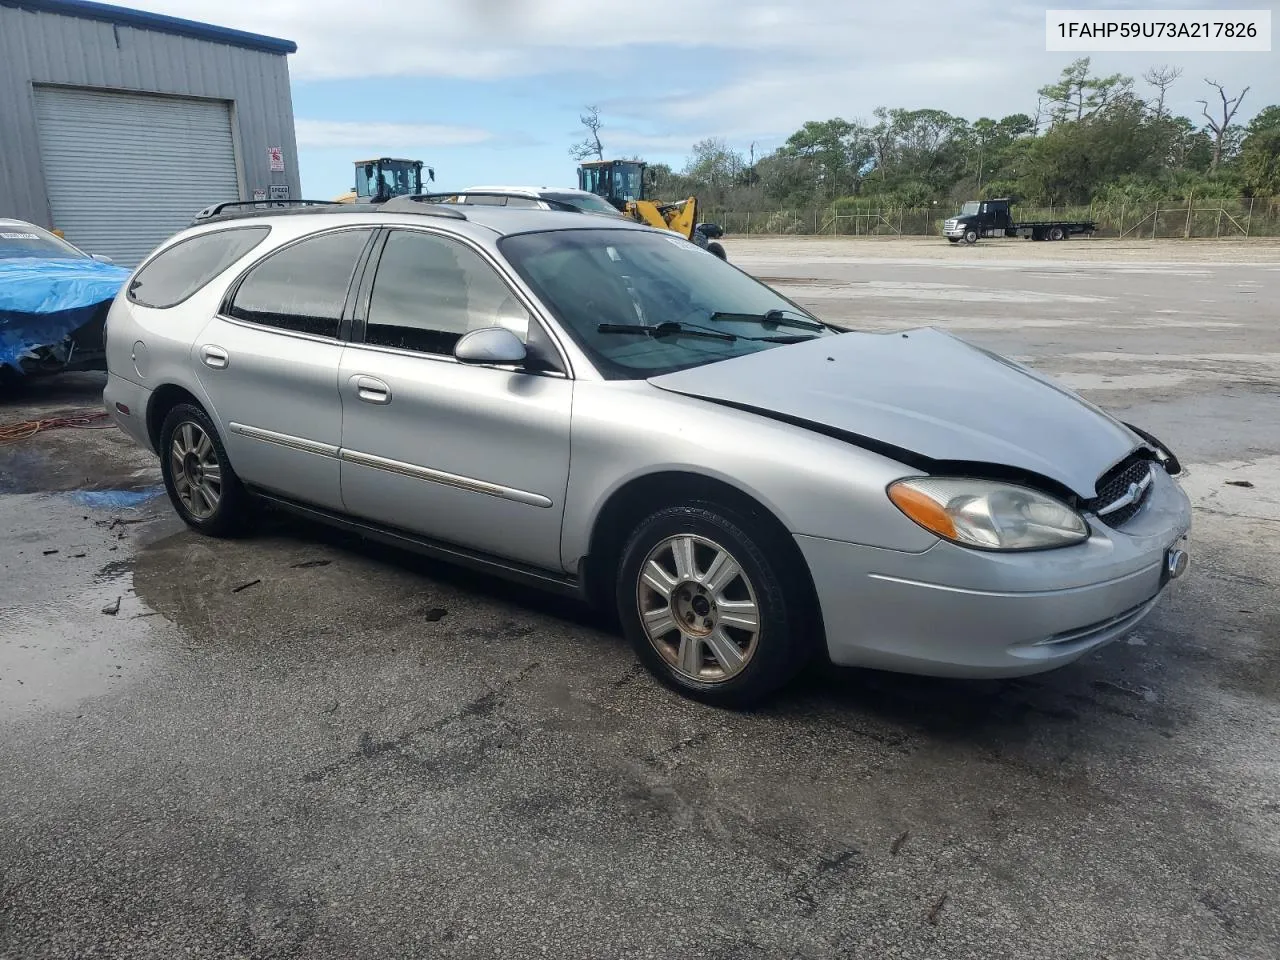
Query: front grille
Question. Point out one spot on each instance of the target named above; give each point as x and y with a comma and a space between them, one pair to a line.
1123, 491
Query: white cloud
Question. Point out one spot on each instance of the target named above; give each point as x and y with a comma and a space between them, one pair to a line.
475, 39
340, 133
629, 141
741, 69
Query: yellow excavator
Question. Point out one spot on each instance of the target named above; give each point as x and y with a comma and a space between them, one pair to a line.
386, 177
623, 183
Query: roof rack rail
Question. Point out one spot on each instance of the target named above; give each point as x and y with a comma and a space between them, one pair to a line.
219, 209
452, 198
425, 203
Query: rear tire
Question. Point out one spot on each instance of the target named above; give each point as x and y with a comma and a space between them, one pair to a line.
713, 611
197, 474
1057, 233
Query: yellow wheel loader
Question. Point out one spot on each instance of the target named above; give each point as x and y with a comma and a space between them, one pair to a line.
384, 178
623, 183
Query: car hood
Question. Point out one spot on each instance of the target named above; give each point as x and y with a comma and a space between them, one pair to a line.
921, 394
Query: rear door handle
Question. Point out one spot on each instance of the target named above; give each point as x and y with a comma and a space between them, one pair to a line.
214, 357
371, 390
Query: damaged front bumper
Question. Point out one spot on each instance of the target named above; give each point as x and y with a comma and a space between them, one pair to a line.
951, 611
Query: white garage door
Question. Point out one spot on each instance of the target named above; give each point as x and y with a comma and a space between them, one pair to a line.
127, 171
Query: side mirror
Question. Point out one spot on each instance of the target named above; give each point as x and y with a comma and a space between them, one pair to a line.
490, 345
101, 258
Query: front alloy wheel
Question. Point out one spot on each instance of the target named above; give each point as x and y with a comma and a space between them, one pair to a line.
698, 608
716, 603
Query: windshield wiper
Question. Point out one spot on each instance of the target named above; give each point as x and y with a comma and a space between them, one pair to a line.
769, 316
669, 328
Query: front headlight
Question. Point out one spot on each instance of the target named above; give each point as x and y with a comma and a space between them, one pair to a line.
988, 514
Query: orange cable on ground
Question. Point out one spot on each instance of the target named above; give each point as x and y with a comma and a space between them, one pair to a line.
24, 430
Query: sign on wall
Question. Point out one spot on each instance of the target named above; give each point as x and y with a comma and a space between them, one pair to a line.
276, 156
279, 191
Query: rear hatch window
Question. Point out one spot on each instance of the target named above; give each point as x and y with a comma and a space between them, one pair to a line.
185, 267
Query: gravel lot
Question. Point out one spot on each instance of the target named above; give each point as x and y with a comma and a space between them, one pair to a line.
298, 745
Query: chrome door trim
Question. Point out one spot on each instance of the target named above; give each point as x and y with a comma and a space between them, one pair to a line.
285, 440
279, 331
439, 476
448, 358
546, 578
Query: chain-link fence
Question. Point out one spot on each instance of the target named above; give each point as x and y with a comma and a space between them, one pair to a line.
1152, 220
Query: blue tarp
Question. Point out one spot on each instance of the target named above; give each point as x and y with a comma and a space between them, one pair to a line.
44, 300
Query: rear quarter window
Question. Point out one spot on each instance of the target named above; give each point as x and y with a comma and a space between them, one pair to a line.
182, 269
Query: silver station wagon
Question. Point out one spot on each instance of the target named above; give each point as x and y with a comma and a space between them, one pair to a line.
604, 409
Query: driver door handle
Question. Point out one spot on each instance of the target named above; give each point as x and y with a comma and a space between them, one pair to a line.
371, 390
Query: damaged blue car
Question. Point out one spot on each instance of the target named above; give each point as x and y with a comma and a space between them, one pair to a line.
54, 299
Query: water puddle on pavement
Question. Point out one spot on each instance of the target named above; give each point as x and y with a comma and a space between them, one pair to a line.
117, 499
72, 628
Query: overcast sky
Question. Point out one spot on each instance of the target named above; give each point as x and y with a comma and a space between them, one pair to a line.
489, 91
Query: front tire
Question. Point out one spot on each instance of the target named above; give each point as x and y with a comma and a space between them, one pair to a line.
712, 610
971, 237
717, 249
197, 474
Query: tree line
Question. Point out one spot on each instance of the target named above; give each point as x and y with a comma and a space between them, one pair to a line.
1090, 139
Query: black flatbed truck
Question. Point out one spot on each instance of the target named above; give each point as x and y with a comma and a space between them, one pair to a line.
992, 218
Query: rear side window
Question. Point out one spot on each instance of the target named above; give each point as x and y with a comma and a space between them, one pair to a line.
303, 288
184, 268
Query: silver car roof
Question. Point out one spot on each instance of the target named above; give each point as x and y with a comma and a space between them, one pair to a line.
527, 191
468, 219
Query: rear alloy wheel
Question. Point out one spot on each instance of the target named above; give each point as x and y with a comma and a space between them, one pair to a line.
706, 609
197, 475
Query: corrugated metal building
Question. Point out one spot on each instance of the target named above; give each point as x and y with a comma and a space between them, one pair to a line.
117, 126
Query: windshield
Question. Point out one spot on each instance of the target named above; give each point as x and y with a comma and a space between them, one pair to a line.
592, 277
970, 209
588, 202
28, 240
